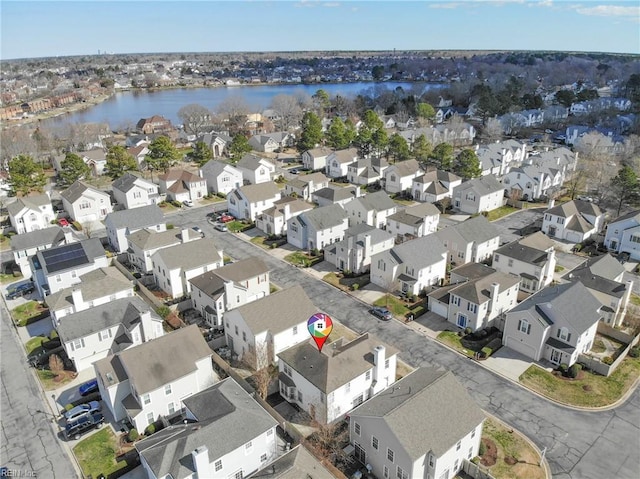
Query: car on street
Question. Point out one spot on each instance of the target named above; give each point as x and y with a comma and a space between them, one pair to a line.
19, 290
63, 222
220, 227
198, 230
76, 428
88, 387
82, 410
294, 171
382, 313
188, 203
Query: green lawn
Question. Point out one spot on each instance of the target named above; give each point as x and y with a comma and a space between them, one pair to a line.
259, 241
9, 278
559, 269
235, 226
634, 299
97, 454
500, 212
393, 304
592, 390
34, 343
298, 258
452, 340
346, 284
49, 380
404, 202
23, 313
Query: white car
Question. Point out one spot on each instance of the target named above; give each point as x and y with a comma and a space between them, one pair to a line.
188, 203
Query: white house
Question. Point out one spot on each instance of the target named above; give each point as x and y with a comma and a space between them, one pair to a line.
434, 186
423, 427
273, 221
338, 162
372, 209
473, 240
499, 157
414, 222
221, 177
292, 464
573, 221
270, 142
255, 169
339, 195
92, 334
174, 266
31, 213
144, 243
256, 332
250, 201
316, 158
131, 191
25, 245
399, 176
85, 203
218, 142
532, 182
557, 324
180, 185
623, 235
410, 267
342, 376
132, 387
366, 171
532, 258
479, 194
121, 224
61, 267
226, 434
305, 185
228, 287
361, 242
317, 228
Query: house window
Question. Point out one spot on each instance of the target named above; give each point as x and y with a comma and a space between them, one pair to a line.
295, 330
472, 307
102, 335
74, 274
58, 278
386, 472
347, 387
248, 447
237, 332
458, 445
270, 432
263, 458
430, 460
356, 428
244, 336
367, 375
510, 262
146, 399
287, 370
217, 465
171, 407
299, 396
470, 453
149, 418
635, 239
455, 300
167, 389
386, 363
524, 326
390, 454
496, 258
455, 465
564, 334
401, 474
294, 227
473, 433
374, 442
77, 344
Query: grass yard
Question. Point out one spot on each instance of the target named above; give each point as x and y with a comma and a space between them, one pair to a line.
346, 284
500, 212
404, 202
393, 304
299, 258
34, 343
452, 340
341, 331
260, 241
591, 390
9, 278
97, 454
559, 269
634, 299
27, 312
50, 381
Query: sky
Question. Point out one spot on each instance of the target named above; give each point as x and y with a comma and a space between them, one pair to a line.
32, 29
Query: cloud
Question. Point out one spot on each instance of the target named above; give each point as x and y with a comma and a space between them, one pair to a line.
610, 11
331, 4
450, 5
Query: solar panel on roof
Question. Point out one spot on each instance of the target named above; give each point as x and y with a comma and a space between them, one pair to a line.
64, 257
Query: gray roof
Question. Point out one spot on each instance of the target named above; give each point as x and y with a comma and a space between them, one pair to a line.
148, 239
190, 255
478, 291
633, 214
324, 217
76, 190
227, 418
295, 464
321, 151
471, 271
406, 168
126, 182
53, 235
292, 305
575, 207
438, 176
30, 202
250, 162
260, 191
296, 205
483, 186
606, 266
92, 249
427, 410
477, 229
336, 193
336, 365
215, 167
531, 249
378, 201
125, 311
414, 215
212, 282
136, 218
598, 274
346, 156
421, 252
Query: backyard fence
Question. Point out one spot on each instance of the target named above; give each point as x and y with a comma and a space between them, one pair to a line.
598, 366
475, 471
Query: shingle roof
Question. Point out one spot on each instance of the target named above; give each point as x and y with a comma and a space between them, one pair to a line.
427, 410
336, 193
92, 249
483, 186
471, 271
406, 168
606, 266
30, 202
420, 252
295, 206
599, 274
136, 218
573, 208
126, 182
295, 464
531, 249
437, 176
260, 191
190, 255
47, 236
76, 190
212, 281
478, 291
633, 214
346, 156
322, 151
378, 201
216, 167
477, 229
179, 175
324, 217
148, 239
250, 162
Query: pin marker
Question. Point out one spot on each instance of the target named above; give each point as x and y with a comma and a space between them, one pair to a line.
320, 326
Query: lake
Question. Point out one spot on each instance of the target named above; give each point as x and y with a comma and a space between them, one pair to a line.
126, 108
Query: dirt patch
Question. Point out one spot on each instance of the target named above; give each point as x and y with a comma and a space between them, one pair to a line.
490, 455
510, 460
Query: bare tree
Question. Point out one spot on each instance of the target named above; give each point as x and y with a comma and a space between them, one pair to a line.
56, 365
263, 377
492, 129
234, 110
288, 110
195, 118
329, 440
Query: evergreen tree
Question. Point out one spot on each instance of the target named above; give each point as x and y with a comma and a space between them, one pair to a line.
468, 164
422, 148
398, 148
336, 137
442, 156
201, 153
625, 186
26, 175
119, 161
73, 168
239, 147
311, 132
162, 154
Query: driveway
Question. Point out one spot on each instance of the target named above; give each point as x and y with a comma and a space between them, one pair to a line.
508, 363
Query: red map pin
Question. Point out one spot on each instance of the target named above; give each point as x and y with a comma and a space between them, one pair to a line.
320, 326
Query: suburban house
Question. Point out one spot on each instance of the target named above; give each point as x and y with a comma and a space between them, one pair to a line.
226, 433
144, 243
180, 185
413, 222
366, 171
270, 142
434, 186
342, 376
372, 209
255, 169
499, 157
557, 324
93, 334
273, 221
218, 142
121, 224
338, 162
31, 213
603, 277
250, 201
228, 287
339, 195
410, 267
154, 124
360, 243
425, 426
316, 158
305, 185
562, 159
293, 465
96, 287
221, 177
532, 182
25, 245
62, 266
256, 332
477, 195
317, 228
473, 240
573, 221
140, 152
131, 191
623, 235
399, 176
95, 159
174, 266
133, 390
532, 258
85, 203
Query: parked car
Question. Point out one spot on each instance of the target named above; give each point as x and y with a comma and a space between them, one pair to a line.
19, 290
226, 218
82, 410
294, 171
76, 428
188, 203
39, 357
381, 313
221, 227
52, 343
623, 257
63, 222
88, 387
198, 230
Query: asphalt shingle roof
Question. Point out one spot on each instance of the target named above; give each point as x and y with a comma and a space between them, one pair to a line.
324, 217
76, 190
260, 191
483, 186
30, 202
47, 236
190, 255
212, 281
477, 229
136, 218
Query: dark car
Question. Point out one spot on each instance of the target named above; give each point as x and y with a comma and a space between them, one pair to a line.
77, 427
88, 387
39, 357
18, 290
82, 410
52, 344
382, 313
624, 257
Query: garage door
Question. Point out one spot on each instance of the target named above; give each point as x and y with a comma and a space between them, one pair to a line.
573, 237
438, 307
520, 347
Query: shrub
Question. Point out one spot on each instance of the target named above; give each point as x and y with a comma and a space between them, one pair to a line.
486, 351
485, 213
133, 435
170, 226
221, 195
483, 449
177, 204
68, 407
77, 226
151, 428
634, 352
273, 246
467, 330
574, 370
355, 286
607, 360
163, 312
53, 334
563, 368
577, 247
